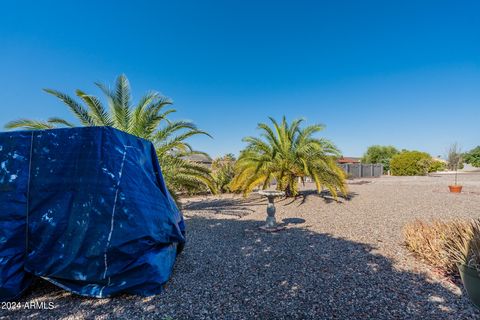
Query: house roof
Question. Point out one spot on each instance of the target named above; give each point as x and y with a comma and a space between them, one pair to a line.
201, 158
349, 160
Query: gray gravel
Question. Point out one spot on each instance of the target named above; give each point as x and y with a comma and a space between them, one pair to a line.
335, 260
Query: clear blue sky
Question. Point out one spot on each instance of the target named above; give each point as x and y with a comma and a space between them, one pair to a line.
374, 72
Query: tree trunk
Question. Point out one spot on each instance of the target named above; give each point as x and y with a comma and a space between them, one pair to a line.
288, 191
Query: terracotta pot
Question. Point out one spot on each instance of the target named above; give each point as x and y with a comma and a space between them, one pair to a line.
455, 189
471, 282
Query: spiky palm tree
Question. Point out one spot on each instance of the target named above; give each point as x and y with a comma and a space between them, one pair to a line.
223, 171
147, 119
287, 153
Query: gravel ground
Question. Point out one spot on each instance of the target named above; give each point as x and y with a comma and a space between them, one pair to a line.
334, 260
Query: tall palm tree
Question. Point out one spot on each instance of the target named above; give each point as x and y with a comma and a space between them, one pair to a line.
286, 153
147, 119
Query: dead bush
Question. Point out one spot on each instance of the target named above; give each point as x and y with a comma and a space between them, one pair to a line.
430, 241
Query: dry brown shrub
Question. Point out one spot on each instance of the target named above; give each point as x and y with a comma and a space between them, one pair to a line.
432, 242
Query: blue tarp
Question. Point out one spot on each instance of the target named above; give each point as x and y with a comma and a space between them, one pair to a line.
88, 210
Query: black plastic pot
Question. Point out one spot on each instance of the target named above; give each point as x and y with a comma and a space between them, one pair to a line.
471, 282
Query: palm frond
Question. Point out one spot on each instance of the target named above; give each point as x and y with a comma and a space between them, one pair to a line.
79, 111
28, 124
97, 111
148, 118
135, 120
60, 121
117, 111
123, 100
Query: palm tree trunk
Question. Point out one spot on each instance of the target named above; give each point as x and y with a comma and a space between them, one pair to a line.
288, 191
291, 189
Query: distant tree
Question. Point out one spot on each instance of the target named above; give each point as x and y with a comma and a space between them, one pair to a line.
223, 171
380, 154
286, 153
454, 157
472, 157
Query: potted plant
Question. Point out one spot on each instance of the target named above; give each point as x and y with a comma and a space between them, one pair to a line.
455, 188
465, 250
454, 160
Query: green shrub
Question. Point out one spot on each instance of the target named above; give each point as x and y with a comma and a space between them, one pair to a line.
410, 163
436, 166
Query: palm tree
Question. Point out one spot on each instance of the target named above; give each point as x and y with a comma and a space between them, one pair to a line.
223, 171
287, 153
147, 119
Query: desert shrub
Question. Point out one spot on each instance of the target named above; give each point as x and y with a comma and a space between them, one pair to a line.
431, 242
465, 250
223, 171
436, 166
410, 163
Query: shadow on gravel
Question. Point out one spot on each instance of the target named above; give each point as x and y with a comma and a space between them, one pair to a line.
234, 206
325, 195
288, 221
231, 270
238, 206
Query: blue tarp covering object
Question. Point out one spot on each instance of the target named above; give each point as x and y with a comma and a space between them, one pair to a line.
88, 210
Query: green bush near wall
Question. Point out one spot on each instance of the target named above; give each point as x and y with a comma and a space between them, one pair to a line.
411, 163
436, 166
